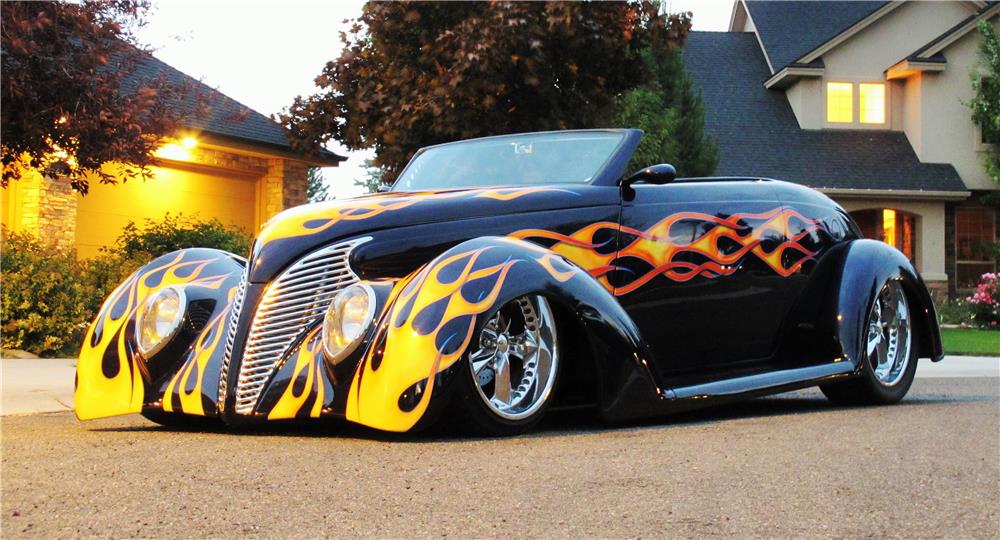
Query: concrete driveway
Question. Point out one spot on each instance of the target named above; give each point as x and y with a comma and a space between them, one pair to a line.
788, 466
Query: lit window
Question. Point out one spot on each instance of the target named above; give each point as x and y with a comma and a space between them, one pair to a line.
839, 102
889, 227
872, 103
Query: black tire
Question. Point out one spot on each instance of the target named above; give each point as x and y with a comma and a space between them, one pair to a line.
475, 413
184, 422
868, 388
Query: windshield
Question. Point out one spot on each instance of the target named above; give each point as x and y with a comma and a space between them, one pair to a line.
533, 158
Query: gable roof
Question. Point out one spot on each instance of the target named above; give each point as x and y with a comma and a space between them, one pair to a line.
932, 50
789, 30
758, 134
208, 110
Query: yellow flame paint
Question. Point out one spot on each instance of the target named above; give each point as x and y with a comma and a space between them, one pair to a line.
206, 346
411, 356
99, 396
308, 360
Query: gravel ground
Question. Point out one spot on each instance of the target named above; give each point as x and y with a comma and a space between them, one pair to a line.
787, 466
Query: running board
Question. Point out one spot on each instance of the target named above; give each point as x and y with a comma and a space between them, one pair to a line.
761, 382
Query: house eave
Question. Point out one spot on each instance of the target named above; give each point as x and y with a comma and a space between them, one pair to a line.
850, 193
790, 75
954, 34
907, 68
756, 34
260, 149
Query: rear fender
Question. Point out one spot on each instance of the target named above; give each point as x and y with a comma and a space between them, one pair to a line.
113, 379
828, 323
869, 265
435, 313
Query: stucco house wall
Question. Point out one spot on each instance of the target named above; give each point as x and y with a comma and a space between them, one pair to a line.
947, 132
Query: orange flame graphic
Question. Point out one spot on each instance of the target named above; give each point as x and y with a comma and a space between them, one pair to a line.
655, 247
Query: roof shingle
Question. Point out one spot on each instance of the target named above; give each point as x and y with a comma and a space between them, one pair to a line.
221, 114
758, 134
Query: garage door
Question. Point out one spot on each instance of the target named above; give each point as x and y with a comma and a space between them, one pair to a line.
103, 213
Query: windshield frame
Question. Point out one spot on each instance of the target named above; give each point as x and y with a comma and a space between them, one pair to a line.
609, 174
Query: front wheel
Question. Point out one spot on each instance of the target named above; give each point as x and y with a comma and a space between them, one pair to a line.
511, 370
890, 354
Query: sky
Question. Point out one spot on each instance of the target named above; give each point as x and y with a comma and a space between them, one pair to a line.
264, 53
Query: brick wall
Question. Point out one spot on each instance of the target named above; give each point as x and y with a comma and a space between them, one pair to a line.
282, 186
57, 213
295, 183
227, 160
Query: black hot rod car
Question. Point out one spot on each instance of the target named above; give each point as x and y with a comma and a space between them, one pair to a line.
507, 275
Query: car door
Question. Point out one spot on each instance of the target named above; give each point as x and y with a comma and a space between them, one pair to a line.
696, 272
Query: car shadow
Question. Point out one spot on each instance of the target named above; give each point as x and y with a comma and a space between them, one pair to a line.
557, 423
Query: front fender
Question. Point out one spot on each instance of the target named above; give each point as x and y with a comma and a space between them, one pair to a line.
435, 313
112, 378
868, 265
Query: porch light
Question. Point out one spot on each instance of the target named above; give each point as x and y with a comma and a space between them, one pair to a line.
189, 142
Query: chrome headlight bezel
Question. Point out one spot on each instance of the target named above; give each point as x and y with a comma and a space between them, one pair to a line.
149, 308
339, 343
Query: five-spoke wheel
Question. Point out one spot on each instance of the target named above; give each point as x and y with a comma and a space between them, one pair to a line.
513, 367
890, 353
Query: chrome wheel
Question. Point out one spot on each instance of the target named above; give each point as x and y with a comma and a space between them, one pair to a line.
515, 364
888, 338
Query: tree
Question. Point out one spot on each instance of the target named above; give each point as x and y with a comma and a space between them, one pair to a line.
413, 74
670, 112
374, 177
316, 188
986, 101
71, 99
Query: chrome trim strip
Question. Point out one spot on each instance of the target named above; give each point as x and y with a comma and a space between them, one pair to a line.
234, 318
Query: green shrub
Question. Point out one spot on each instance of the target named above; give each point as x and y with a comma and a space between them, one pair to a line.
49, 296
44, 305
954, 312
178, 232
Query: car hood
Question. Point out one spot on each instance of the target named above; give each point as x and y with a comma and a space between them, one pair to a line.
301, 229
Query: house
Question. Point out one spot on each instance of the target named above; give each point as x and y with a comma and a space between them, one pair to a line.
228, 163
866, 102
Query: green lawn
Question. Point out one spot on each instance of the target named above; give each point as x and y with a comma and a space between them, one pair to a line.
971, 342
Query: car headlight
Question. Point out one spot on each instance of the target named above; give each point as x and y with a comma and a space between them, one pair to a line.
160, 319
346, 320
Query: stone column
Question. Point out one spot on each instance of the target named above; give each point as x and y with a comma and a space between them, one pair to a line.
57, 213
47, 209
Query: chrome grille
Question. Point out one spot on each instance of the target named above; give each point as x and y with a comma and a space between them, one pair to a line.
290, 304
234, 319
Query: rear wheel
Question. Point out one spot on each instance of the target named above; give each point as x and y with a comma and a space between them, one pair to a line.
890, 354
511, 370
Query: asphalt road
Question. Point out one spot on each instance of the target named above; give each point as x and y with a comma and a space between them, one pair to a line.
787, 466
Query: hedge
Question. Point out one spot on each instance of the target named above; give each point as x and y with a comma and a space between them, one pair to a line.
48, 296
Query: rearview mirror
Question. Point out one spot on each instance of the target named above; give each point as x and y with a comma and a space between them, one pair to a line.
664, 173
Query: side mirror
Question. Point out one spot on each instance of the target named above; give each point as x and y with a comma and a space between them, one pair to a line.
663, 173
